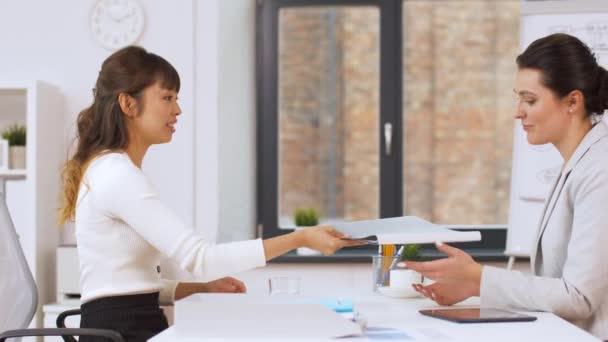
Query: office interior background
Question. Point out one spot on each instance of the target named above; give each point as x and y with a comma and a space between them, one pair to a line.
453, 129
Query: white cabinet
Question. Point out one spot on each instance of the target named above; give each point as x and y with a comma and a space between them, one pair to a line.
51, 311
32, 194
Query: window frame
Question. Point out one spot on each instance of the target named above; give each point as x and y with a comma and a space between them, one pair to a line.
390, 108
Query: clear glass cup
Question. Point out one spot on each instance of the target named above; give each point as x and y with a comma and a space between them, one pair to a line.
381, 267
284, 285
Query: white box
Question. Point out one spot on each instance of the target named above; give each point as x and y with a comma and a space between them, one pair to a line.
68, 275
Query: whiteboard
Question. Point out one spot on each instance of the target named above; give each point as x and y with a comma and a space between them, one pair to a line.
535, 167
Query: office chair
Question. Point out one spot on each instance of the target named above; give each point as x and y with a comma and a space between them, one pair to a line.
19, 294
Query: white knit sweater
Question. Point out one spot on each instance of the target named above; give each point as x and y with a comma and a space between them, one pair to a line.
122, 229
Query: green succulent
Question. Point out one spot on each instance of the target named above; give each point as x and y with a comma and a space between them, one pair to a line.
411, 252
306, 217
15, 134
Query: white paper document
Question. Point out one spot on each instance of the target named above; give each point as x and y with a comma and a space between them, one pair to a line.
403, 230
264, 317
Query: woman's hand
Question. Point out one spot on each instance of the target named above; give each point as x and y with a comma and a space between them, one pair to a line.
444, 293
225, 285
457, 267
222, 285
456, 277
325, 239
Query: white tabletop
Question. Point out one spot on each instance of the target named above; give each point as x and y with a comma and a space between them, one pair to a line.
399, 320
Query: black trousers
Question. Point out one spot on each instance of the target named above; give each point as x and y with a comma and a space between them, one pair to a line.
136, 317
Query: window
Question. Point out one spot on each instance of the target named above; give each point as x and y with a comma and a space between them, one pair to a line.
328, 112
383, 108
459, 67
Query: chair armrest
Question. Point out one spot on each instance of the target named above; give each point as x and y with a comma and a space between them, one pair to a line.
61, 318
109, 334
61, 323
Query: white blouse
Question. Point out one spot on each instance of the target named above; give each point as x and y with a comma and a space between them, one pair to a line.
122, 229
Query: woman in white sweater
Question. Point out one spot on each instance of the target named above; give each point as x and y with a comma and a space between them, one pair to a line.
123, 228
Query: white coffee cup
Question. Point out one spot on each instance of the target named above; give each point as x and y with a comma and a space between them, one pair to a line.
402, 279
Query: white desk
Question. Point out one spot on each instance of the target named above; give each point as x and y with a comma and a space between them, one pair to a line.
403, 314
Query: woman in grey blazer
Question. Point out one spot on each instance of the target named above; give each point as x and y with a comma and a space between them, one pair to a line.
562, 91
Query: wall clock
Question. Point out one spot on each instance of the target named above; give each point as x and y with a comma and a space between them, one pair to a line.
117, 23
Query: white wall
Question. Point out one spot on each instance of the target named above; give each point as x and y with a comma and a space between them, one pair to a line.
206, 121
236, 102
51, 41
211, 45
206, 174
225, 120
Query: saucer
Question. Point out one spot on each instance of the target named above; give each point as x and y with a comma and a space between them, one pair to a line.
398, 292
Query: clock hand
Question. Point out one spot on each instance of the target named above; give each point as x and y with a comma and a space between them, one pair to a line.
115, 12
118, 13
127, 15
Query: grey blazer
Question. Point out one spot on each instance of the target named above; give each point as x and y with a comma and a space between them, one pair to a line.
570, 258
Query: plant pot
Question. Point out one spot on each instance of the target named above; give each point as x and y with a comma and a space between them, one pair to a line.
16, 157
305, 250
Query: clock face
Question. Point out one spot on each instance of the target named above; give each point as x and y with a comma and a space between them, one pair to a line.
117, 23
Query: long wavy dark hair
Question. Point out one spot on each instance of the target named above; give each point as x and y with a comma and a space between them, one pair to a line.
102, 127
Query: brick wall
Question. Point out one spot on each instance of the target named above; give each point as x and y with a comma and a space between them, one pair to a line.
459, 68
328, 111
458, 73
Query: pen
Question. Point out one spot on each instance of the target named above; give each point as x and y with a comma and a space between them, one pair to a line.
388, 250
393, 264
399, 254
378, 271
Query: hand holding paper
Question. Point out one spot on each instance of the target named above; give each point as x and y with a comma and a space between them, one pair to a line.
326, 240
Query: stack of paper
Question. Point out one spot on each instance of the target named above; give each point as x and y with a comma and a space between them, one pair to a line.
403, 230
264, 317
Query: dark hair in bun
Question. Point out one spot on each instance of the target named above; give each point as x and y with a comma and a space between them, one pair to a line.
567, 64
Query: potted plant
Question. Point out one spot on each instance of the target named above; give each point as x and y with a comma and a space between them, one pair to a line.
411, 252
306, 217
16, 137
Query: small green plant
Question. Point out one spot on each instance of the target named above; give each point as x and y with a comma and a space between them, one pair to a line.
306, 217
15, 134
411, 252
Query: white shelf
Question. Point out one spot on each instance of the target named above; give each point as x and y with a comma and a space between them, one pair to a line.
13, 174
32, 194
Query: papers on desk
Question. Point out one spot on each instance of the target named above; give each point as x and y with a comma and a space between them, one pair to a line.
403, 230
243, 316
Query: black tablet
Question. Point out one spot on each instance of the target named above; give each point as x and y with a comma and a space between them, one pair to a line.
477, 315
